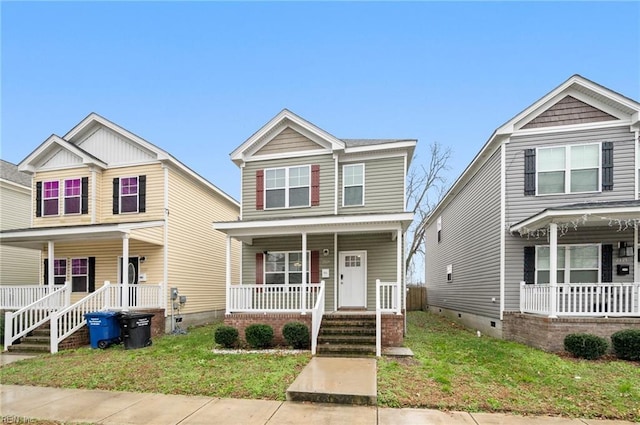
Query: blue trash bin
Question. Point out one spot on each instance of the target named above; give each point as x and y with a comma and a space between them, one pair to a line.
104, 328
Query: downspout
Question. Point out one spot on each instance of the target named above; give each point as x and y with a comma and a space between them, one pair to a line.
165, 250
503, 225
636, 241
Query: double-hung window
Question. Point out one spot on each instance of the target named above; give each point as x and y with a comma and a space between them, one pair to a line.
50, 197
129, 194
287, 187
576, 264
72, 196
568, 169
285, 268
353, 185
79, 274
59, 271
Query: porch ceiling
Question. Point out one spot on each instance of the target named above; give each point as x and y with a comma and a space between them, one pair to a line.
36, 238
619, 214
246, 231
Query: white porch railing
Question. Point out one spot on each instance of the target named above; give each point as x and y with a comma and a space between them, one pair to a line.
272, 298
581, 299
109, 297
387, 301
19, 323
316, 318
14, 297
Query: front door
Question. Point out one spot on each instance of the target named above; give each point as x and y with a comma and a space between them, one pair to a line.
133, 269
353, 279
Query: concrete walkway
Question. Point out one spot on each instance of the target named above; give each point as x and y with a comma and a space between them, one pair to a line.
122, 408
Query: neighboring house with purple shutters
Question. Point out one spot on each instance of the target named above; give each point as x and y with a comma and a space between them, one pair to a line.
539, 235
102, 194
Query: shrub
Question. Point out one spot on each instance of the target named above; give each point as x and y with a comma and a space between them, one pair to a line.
626, 344
226, 336
259, 335
586, 346
296, 334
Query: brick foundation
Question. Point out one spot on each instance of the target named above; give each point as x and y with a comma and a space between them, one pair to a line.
392, 325
548, 334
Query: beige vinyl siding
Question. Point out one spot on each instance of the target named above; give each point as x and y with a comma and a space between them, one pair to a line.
18, 266
470, 242
197, 252
381, 259
592, 235
327, 200
520, 207
384, 187
292, 243
61, 219
154, 200
153, 235
288, 140
107, 254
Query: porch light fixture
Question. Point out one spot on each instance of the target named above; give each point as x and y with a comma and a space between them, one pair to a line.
625, 250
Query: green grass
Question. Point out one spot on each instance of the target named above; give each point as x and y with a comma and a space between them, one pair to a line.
453, 369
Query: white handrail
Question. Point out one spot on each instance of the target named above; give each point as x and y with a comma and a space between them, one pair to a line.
19, 323
263, 298
378, 320
388, 301
316, 318
13, 297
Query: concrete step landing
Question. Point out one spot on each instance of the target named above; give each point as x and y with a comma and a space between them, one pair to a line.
336, 380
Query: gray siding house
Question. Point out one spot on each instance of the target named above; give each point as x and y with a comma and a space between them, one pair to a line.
539, 235
322, 228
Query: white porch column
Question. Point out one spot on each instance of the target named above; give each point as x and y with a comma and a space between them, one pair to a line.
399, 270
304, 289
553, 269
228, 275
125, 272
50, 265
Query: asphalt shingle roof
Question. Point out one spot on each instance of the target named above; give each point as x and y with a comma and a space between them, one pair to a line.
9, 171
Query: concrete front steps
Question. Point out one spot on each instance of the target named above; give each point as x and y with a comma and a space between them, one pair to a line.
38, 341
347, 335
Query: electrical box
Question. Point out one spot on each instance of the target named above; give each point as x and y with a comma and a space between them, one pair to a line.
183, 299
325, 273
622, 269
174, 293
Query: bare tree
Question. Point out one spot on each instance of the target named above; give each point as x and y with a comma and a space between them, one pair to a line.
426, 184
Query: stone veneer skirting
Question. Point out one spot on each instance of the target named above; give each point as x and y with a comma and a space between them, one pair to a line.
392, 325
548, 333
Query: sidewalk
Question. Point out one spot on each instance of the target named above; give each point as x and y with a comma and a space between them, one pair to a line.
121, 408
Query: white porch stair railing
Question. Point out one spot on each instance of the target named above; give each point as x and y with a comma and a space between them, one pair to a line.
70, 319
14, 297
19, 323
272, 298
581, 299
387, 301
316, 318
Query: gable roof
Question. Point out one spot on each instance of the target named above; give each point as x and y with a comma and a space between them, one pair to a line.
626, 111
325, 141
92, 123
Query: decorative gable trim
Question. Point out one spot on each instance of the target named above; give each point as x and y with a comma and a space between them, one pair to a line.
567, 111
285, 119
53, 149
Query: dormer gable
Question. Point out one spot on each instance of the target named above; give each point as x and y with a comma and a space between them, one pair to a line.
286, 134
55, 153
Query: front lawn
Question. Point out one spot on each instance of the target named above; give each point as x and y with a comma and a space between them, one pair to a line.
453, 369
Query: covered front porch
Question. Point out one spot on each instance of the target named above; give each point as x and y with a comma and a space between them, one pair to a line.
302, 269
84, 271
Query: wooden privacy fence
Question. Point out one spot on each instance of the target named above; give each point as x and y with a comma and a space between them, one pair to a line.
416, 298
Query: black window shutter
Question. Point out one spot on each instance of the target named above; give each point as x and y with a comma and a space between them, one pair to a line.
38, 199
92, 274
529, 264
46, 271
116, 196
607, 264
607, 166
142, 193
529, 172
85, 195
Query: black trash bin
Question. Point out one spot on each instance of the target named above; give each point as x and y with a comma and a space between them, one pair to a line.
136, 330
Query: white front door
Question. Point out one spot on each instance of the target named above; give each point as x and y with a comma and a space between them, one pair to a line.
353, 279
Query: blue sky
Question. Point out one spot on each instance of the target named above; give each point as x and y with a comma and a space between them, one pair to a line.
198, 78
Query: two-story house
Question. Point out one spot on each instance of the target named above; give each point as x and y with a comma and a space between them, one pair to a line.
322, 224
18, 266
538, 237
126, 226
